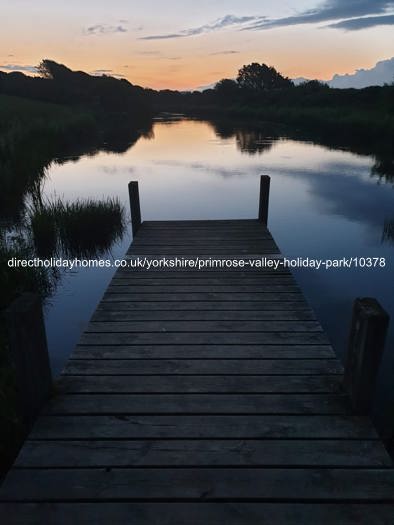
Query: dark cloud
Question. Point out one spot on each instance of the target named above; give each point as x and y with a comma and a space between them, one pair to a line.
355, 24
106, 72
329, 10
18, 67
103, 29
216, 25
349, 15
101, 71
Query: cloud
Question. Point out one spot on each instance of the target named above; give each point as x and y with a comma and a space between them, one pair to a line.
355, 24
348, 15
18, 67
229, 52
149, 53
106, 72
382, 73
329, 10
103, 29
216, 25
101, 71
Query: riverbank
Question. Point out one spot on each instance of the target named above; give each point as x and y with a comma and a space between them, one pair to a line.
340, 117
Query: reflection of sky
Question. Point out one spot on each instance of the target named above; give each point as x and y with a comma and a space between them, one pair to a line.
188, 166
324, 203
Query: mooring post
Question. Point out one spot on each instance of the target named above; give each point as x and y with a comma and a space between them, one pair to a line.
365, 348
29, 353
264, 198
135, 209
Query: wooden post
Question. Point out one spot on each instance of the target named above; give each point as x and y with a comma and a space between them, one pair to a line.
366, 343
264, 198
29, 353
135, 206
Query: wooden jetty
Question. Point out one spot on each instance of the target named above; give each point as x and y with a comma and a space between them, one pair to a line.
201, 397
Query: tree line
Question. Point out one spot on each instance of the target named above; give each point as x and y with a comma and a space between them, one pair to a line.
58, 84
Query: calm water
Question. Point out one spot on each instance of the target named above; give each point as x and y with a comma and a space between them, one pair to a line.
325, 203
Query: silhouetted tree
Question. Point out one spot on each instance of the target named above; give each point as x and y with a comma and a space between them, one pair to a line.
227, 89
260, 77
314, 85
51, 70
59, 84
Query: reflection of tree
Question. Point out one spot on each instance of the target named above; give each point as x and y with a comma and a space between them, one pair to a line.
24, 163
384, 169
253, 142
223, 128
388, 231
254, 139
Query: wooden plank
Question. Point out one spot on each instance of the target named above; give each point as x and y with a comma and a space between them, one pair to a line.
169, 225
197, 260
203, 427
203, 326
221, 288
191, 222
204, 238
204, 296
200, 384
229, 513
202, 243
216, 259
123, 280
189, 453
127, 303
220, 273
199, 484
200, 228
198, 404
260, 248
203, 366
203, 352
203, 315
206, 338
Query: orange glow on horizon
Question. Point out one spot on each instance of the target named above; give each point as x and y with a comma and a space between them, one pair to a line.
188, 63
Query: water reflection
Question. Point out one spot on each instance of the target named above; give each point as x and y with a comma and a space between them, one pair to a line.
24, 165
384, 169
78, 229
258, 139
250, 140
388, 231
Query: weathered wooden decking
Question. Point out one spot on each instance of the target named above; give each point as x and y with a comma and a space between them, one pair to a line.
201, 397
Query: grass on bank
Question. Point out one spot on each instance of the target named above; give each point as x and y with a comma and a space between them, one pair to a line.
82, 228
21, 118
31, 134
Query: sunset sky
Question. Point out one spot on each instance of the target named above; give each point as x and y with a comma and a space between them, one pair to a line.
186, 44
